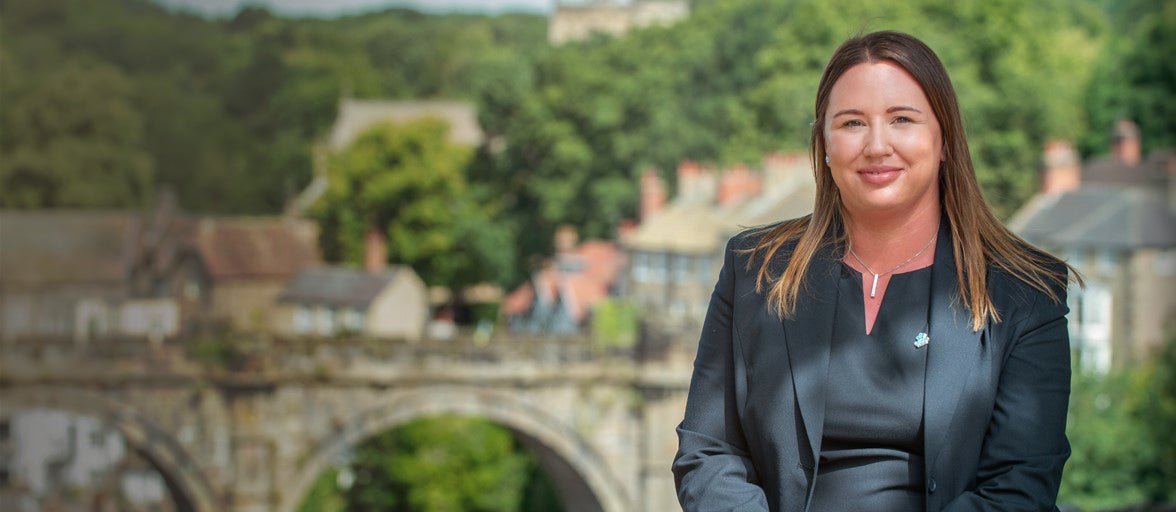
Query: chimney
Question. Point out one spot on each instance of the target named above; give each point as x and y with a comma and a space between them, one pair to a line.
1125, 143
784, 172
625, 229
653, 194
1062, 170
688, 179
696, 183
737, 183
565, 239
375, 250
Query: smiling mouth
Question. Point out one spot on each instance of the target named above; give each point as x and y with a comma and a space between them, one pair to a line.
879, 175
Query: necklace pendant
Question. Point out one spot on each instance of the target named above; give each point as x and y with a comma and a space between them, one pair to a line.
922, 340
874, 287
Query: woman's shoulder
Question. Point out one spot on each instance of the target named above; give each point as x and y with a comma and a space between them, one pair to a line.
765, 235
1022, 280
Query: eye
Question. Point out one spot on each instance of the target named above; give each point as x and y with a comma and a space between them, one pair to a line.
903, 119
853, 122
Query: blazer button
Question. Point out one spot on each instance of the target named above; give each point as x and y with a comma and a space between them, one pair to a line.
931, 485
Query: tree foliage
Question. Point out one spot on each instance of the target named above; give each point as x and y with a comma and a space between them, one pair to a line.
408, 181
1135, 77
74, 140
1120, 429
591, 116
226, 111
447, 463
223, 111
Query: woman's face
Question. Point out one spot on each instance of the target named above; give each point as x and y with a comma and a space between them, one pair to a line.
883, 141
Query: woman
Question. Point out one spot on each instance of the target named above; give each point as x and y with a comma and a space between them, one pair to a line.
898, 349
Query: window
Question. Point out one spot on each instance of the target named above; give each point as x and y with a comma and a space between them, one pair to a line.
1106, 261
704, 269
640, 270
97, 438
1090, 325
325, 321
657, 267
302, 320
1165, 263
681, 266
191, 289
353, 320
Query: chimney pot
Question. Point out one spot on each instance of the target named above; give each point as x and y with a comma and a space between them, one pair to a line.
1125, 144
1063, 171
375, 250
653, 194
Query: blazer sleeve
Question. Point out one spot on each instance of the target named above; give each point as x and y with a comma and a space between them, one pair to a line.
713, 470
1025, 446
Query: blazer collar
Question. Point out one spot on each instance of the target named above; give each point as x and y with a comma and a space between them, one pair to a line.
807, 335
951, 355
953, 351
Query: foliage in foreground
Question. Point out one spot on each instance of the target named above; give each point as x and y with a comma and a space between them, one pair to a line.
443, 464
1121, 432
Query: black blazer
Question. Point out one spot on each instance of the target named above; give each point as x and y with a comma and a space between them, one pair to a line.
994, 405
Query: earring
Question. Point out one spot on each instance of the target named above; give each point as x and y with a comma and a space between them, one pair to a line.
826, 159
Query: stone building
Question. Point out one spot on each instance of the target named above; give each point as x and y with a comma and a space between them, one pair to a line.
1114, 219
80, 275
249, 260
378, 300
576, 22
676, 251
332, 301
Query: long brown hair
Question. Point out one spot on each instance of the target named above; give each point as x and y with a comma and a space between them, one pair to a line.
978, 239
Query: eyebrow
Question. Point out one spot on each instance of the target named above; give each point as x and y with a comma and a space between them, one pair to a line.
891, 110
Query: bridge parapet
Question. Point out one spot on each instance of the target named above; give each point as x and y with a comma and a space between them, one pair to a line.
245, 423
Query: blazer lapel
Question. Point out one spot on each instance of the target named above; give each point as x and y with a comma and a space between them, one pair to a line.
952, 352
808, 335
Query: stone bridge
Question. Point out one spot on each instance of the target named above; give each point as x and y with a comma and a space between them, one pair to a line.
249, 426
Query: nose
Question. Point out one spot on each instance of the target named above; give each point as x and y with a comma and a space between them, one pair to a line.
877, 143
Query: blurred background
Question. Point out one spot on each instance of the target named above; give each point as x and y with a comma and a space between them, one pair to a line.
454, 255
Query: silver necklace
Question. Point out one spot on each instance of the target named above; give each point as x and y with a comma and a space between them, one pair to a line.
874, 287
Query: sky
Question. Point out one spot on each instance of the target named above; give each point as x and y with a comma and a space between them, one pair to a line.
331, 8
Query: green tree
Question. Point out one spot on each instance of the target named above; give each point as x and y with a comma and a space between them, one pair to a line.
1120, 428
324, 494
591, 115
408, 182
447, 463
1155, 407
71, 139
1108, 446
1135, 78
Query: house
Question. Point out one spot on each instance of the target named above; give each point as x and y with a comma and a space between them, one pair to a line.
560, 297
377, 300
1114, 219
85, 275
334, 300
676, 250
249, 261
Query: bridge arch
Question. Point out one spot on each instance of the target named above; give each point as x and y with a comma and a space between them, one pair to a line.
185, 481
581, 475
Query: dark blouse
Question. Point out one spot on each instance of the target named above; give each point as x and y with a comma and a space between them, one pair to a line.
872, 446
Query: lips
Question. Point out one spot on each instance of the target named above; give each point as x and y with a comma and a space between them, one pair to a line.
879, 175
